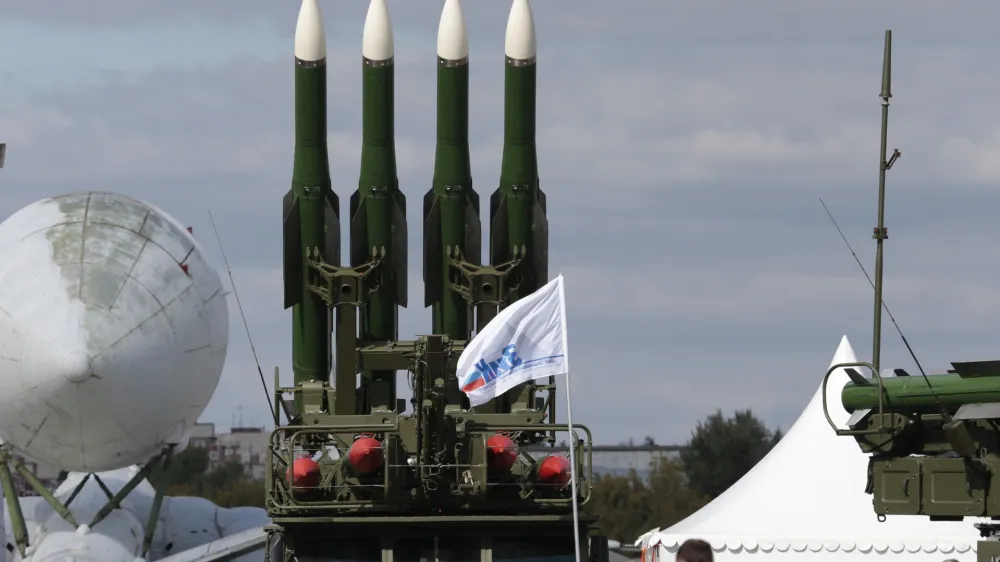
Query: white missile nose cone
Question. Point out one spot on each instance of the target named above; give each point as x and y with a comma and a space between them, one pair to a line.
83, 530
74, 365
377, 43
453, 37
520, 42
310, 37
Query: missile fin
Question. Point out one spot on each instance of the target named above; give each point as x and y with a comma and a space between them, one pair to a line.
473, 230
360, 253
399, 248
540, 241
856, 377
498, 229
331, 216
292, 249
542, 198
432, 249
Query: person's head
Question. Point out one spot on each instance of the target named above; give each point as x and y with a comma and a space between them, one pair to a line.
694, 550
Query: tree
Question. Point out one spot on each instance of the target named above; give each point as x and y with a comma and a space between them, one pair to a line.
672, 498
187, 469
721, 450
630, 505
226, 485
622, 503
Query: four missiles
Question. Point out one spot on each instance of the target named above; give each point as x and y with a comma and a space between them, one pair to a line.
378, 230
378, 207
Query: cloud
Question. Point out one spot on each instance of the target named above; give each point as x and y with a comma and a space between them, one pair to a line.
682, 148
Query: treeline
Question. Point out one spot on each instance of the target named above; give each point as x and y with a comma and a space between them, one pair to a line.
228, 484
720, 451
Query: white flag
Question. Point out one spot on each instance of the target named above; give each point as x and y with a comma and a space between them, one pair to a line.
525, 341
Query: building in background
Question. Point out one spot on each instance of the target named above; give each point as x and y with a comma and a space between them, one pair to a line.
244, 445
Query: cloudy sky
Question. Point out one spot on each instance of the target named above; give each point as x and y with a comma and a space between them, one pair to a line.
683, 147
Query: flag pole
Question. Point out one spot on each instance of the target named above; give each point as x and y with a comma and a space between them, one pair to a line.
569, 419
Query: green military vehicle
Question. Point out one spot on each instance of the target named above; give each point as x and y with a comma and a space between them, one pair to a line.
353, 473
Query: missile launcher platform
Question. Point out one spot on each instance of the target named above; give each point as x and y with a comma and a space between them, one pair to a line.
353, 472
933, 440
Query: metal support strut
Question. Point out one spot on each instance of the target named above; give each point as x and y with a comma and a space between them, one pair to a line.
18, 524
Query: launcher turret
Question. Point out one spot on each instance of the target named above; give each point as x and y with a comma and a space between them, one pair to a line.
353, 469
934, 440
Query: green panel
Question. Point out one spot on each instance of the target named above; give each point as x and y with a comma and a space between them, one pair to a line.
993, 500
897, 486
949, 490
988, 551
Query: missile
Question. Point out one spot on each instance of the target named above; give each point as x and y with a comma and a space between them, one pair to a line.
311, 209
378, 207
972, 383
518, 223
519, 228
452, 228
113, 331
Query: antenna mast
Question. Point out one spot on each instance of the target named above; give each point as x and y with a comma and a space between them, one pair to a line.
881, 233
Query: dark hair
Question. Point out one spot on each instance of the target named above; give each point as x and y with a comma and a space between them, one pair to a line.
695, 550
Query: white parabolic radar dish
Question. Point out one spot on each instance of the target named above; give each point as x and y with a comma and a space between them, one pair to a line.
113, 331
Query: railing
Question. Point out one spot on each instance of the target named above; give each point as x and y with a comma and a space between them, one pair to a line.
458, 475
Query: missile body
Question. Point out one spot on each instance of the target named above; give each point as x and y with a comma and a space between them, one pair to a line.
311, 209
519, 227
912, 395
451, 207
378, 207
518, 222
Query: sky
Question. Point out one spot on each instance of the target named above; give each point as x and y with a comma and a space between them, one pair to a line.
683, 147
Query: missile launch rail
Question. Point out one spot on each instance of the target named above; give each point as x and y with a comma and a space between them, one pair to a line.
353, 473
933, 440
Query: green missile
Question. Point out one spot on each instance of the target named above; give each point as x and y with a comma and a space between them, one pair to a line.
518, 224
310, 208
519, 227
451, 207
378, 207
968, 383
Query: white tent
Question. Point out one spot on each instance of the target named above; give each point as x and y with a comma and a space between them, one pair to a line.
805, 501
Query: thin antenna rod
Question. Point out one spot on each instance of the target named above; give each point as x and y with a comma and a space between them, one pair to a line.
232, 282
881, 233
885, 306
